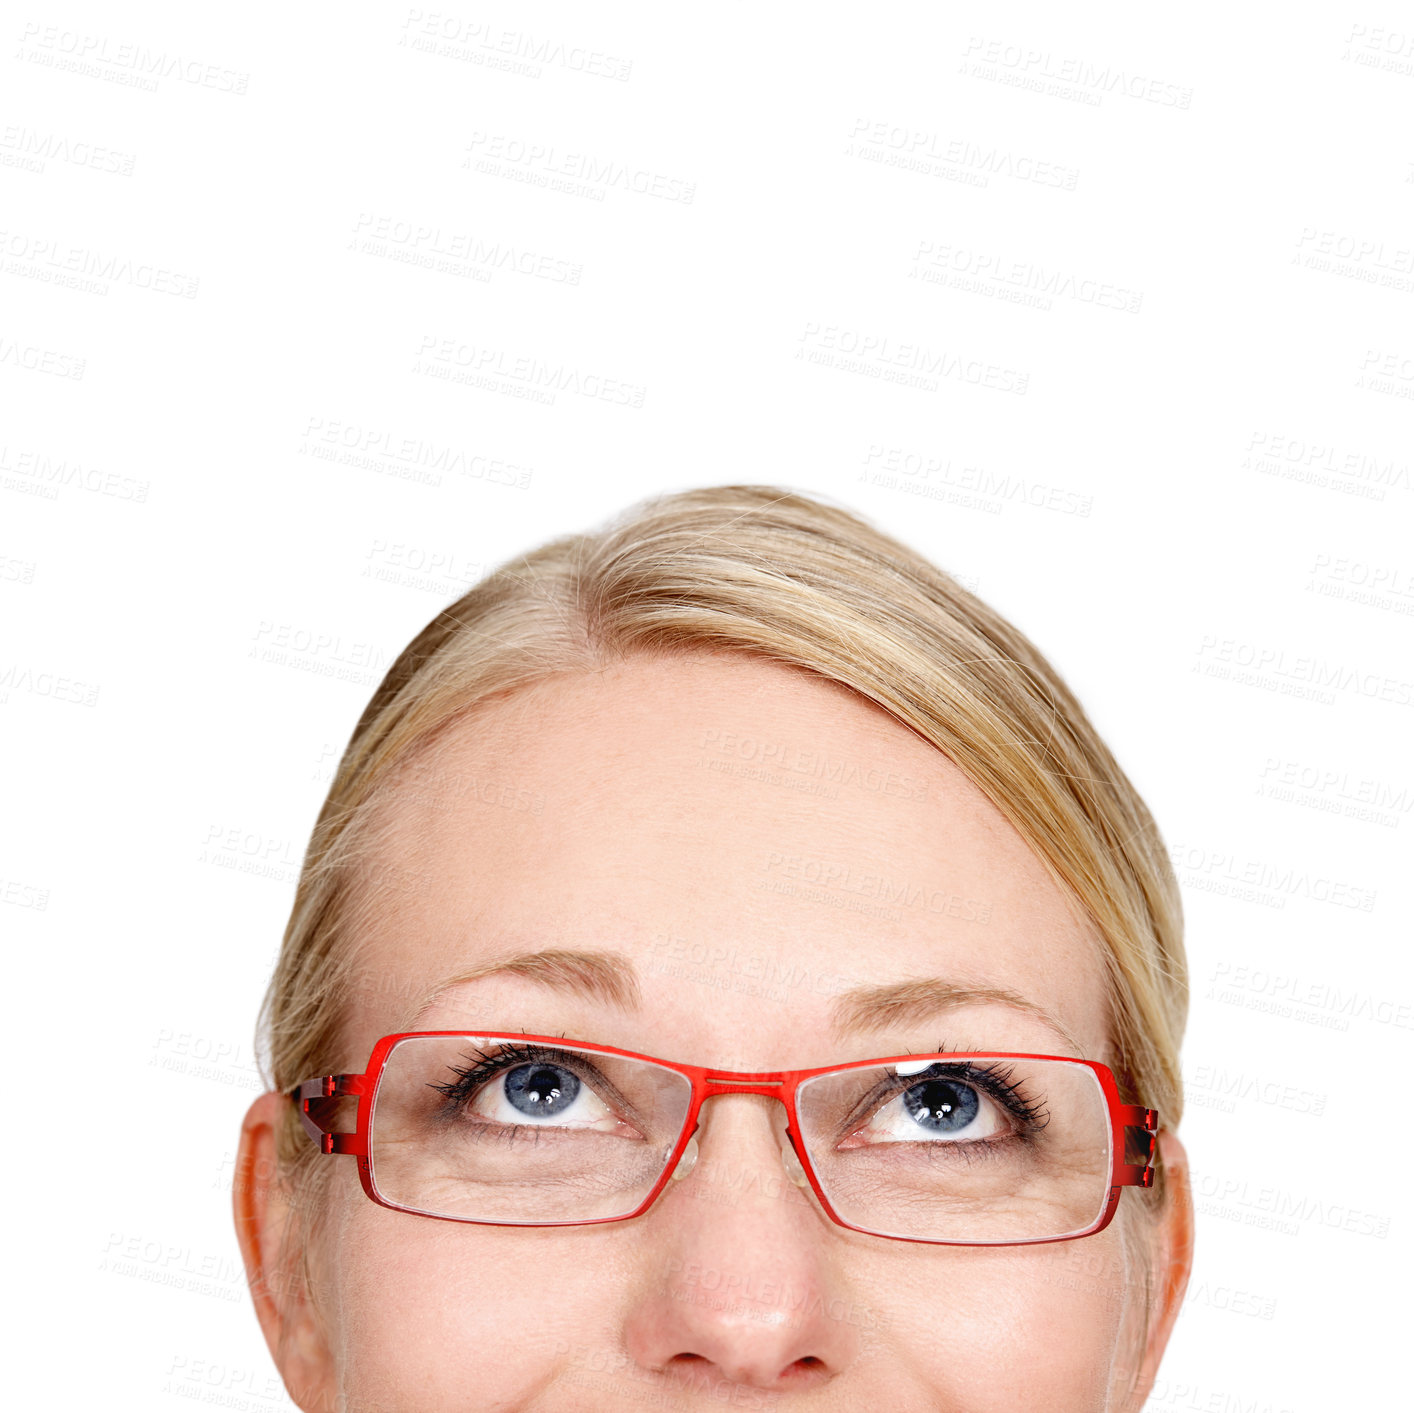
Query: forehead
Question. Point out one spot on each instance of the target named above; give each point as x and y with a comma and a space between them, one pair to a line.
753, 839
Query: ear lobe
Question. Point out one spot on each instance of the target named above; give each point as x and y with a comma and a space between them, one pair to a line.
1173, 1251
1178, 1224
269, 1235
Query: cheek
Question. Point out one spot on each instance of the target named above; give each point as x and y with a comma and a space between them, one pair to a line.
995, 1331
422, 1314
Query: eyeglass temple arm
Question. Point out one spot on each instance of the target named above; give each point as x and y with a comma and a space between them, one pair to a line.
1141, 1131
321, 1092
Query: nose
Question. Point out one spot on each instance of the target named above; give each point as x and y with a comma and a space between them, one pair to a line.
739, 1280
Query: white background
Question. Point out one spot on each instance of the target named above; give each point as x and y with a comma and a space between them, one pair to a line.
1108, 314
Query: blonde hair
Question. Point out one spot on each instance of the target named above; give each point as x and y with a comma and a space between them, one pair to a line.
764, 571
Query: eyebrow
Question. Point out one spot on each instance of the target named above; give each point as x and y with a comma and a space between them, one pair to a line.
868, 1009
611, 977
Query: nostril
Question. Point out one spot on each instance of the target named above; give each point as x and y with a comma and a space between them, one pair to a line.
718, 1376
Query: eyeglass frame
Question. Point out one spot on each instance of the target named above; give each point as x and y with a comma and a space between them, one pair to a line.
707, 1083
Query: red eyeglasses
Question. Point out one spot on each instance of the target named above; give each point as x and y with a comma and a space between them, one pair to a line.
959, 1149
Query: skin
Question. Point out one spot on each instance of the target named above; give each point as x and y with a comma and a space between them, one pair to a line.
734, 1289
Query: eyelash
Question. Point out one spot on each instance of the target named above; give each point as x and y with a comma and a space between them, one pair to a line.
994, 1079
460, 1090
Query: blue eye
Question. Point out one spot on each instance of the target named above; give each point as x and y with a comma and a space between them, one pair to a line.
534, 1089
541, 1090
941, 1105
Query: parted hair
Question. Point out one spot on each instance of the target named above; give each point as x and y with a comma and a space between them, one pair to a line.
765, 571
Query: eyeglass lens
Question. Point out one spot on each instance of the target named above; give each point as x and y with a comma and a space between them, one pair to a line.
972, 1149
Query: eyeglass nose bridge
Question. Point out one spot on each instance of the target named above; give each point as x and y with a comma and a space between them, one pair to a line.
769, 1084
772, 1085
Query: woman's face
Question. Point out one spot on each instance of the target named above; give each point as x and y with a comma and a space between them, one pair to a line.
743, 848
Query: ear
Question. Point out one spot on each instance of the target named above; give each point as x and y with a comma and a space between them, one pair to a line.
1171, 1256
270, 1235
